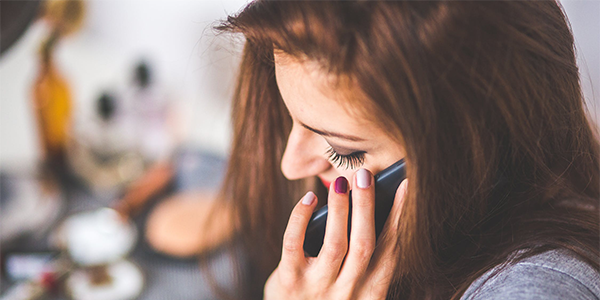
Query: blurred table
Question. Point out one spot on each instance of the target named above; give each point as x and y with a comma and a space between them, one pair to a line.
165, 277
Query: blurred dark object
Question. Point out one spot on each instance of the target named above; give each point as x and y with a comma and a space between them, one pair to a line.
106, 106
15, 18
143, 76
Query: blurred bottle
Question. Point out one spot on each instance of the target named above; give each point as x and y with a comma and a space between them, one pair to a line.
52, 104
102, 150
108, 135
150, 108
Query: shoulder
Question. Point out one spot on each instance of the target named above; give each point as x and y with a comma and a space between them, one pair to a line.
555, 274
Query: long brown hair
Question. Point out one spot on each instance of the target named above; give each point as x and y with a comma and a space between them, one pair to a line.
485, 98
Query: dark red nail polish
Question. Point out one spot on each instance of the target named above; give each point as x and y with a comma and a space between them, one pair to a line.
341, 185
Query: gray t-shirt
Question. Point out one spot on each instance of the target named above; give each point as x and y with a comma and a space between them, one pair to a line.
555, 274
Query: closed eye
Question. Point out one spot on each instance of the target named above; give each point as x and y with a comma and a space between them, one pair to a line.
352, 160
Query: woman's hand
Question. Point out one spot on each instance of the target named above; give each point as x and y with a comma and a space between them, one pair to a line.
343, 269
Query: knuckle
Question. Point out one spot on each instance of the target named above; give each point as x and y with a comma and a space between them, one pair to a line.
338, 201
341, 291
291, 243
362, 201
337, 248
288, 280
326, 294
295, 218
364, 248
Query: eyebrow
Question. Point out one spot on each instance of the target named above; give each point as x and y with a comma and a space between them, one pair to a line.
333, 134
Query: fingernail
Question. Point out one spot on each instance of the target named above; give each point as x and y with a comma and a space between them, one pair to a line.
363, 179
341, 185
309, 198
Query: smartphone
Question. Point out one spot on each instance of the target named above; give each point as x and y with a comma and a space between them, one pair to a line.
386, 184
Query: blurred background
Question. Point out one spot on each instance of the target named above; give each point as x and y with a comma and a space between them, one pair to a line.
114, 134
175, 37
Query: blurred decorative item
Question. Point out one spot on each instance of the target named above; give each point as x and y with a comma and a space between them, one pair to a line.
15, 18
65, 16
43, 283
98, 242
128, 134
29, 204
97, 237
103, 149
150, 108
91, 263
150, 184
195, 221
123, 280
190, 224
28, 266
51, 93
52, 104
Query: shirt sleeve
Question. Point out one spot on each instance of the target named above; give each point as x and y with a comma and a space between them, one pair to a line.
550, 276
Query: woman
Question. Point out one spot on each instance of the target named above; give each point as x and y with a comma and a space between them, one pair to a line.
483, 101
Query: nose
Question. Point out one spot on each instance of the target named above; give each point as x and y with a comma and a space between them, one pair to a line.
304, 154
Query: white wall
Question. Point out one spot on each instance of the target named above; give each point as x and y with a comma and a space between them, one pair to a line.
197, 68
584, 16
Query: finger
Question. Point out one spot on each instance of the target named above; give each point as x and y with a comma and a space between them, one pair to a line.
292, 256
362, 233
335, 243
382, 266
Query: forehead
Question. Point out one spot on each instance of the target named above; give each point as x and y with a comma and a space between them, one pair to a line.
315, 97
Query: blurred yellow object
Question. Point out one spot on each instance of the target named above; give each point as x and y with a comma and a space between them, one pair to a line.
52, 105
66, 16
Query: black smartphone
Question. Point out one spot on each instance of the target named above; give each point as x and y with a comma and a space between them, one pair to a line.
386, 184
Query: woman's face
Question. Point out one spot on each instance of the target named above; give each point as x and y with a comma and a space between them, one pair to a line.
327, 139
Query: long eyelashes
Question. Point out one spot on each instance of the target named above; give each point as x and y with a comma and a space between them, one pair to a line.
351, 160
